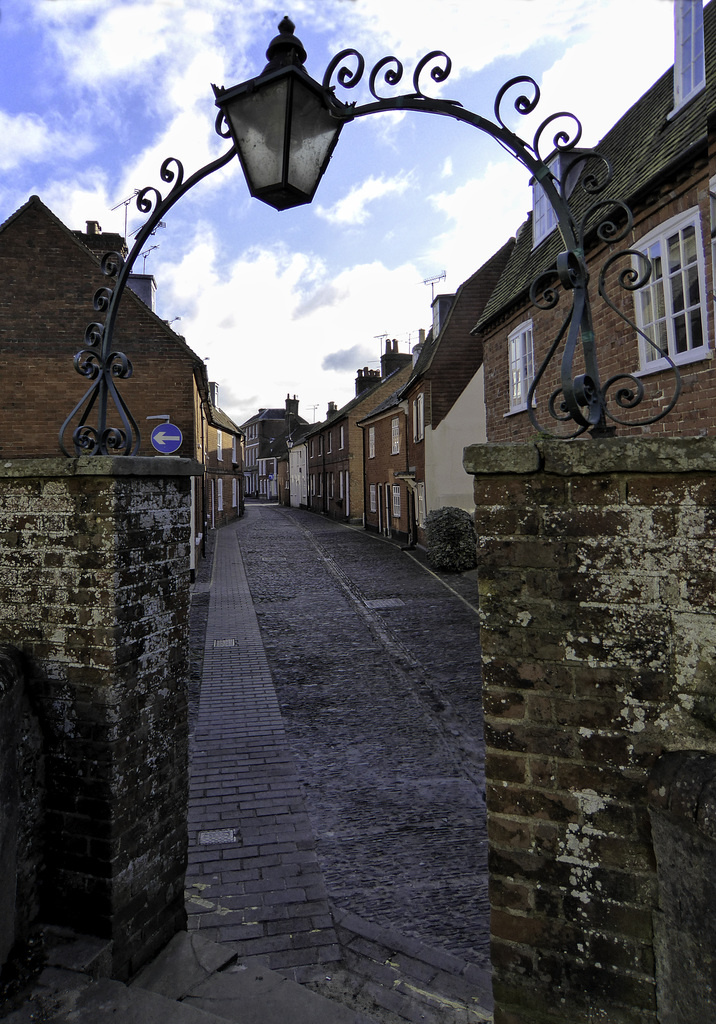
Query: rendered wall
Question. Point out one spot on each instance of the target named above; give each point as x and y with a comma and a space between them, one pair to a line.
597, 597
94, 589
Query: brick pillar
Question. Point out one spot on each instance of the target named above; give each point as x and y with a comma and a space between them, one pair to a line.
597, 596
94, 587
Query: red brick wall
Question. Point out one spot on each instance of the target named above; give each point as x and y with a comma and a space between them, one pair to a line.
617, 347
47, 282
381, 470
596, 577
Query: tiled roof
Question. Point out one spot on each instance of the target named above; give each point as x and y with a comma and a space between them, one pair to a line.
218, 418
643, 146
344, 410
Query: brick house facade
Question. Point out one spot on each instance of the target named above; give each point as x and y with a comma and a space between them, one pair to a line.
389, 501
267, 434
444, 397
335, 446
663, 153
43, 318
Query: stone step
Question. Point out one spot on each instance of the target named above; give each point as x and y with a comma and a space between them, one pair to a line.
106, 1000
208, 976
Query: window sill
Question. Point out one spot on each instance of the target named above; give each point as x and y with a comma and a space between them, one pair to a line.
684, 103
518, 409
698, 355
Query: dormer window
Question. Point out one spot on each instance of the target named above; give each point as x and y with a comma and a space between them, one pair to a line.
689, 62
544, 219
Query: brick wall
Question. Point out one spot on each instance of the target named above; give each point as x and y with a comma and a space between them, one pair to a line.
617, 350
43, 317
597, 583
94, 589
381, 470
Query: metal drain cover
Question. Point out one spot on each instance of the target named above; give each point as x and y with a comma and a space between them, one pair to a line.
385, 602
217, 835
225, 643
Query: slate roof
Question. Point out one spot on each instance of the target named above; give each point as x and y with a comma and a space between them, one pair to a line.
643, 146
218, 418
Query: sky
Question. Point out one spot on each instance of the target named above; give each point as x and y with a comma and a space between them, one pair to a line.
95, 95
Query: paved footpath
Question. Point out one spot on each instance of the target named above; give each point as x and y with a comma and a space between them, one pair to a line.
337, 826
253, 874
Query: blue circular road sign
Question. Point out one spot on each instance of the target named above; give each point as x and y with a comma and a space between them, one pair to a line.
166, 438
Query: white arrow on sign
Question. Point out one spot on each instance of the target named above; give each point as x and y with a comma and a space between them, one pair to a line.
162, 437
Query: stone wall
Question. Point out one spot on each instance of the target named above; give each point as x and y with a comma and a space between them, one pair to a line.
94, 589
22, 804
597, 591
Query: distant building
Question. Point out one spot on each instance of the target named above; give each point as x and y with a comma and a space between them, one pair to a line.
266, 436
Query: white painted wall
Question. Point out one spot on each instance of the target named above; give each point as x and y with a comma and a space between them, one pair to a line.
446, 482
298, 476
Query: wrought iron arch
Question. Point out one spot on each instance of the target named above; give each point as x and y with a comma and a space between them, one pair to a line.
581, 400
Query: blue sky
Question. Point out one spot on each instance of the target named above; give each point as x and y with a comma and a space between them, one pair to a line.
94, 96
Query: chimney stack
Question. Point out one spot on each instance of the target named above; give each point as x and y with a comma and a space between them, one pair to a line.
366, 379
393, 360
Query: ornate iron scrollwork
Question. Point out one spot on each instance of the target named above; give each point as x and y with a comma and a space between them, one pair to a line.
98, 361
580, 399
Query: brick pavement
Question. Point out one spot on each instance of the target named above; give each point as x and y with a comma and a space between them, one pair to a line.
253, 876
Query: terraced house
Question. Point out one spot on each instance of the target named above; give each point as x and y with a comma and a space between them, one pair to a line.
336, 457
663, 153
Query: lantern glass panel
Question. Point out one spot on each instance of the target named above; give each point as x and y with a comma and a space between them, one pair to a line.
258, 121
313, 132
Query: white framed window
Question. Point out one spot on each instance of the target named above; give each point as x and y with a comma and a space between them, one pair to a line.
329, 449
670, 307
219, 446
689, 61
310, 449
373, 498
340, 486
320, 444
319, 483
221, 494
371, 442
396, 501
421, 502
342, 437
313, 485
520, 346
330, 485
544, 219
395, 435
235, 493
419, 417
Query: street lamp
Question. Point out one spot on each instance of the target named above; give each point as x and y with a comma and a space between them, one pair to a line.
284, 127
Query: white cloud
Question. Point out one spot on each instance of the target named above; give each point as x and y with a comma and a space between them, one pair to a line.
353, 208
252, 355
484, 213
27, 138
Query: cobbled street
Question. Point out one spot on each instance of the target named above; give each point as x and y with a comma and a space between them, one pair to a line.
377, 672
